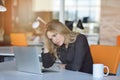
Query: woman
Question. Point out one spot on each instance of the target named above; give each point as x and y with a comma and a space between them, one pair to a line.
70, 47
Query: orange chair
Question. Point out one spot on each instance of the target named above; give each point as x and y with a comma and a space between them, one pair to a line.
118, 40
107, 55
18, 39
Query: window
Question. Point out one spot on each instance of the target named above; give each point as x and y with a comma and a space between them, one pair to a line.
78, 9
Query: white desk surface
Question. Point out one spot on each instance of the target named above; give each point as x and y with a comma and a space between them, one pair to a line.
6, 54
8, 72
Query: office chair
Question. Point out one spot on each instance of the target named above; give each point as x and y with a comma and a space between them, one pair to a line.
18, 39
69, 24
118, 40
107, 55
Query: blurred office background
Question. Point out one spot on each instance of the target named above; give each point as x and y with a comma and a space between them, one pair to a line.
100, 18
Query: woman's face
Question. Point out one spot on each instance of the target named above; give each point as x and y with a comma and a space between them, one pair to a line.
56, 38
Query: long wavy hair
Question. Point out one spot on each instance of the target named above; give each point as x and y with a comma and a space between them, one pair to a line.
56, 26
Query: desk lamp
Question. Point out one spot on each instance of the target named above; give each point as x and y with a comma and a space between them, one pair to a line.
79, 24
38, 30
36, 23
2, 7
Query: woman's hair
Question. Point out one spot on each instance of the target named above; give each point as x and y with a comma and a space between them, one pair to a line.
56, 26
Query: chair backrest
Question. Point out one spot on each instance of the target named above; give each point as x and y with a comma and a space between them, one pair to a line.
107, 55
69, 24
18, 39
118, 40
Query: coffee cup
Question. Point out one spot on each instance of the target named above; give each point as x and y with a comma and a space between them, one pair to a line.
98, 70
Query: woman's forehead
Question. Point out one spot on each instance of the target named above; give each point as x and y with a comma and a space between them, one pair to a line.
51, 32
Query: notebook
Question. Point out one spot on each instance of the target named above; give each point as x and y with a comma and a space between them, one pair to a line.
27, 60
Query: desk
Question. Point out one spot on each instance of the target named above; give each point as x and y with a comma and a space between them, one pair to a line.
65, 75
8, 72
5, 51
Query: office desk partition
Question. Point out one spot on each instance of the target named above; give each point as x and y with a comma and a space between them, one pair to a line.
8, 72
7, 52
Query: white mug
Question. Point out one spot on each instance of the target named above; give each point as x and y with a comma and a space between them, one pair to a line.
98, 70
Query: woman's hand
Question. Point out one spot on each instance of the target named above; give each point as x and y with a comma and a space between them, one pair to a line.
62, 66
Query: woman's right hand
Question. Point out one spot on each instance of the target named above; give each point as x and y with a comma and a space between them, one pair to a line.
62, 66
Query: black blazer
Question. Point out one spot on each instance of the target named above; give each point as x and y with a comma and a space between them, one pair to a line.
77, 56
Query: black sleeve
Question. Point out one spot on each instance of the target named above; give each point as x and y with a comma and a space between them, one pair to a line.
47, 60
81, 49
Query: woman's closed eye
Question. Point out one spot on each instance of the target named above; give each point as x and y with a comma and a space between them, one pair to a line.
54, 35
56, 38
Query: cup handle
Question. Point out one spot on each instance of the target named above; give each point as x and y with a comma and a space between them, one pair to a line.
107, 70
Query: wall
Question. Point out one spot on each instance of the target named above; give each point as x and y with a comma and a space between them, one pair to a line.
42, 5
110, 21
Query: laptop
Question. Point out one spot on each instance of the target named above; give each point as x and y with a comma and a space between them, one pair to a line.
27, 60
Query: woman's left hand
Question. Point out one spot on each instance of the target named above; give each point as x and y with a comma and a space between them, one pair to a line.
62, 66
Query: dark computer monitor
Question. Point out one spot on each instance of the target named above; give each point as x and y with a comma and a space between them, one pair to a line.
69, 24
